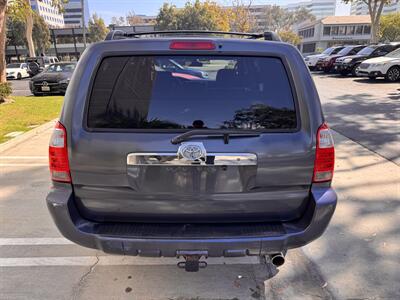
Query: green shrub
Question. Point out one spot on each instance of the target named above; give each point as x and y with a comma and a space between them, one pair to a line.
5, 90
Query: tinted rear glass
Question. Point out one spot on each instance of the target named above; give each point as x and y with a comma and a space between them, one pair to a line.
186, 92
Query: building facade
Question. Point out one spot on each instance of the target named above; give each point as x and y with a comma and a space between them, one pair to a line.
334, 30
361, 8
73, 13
319, 8
51, 15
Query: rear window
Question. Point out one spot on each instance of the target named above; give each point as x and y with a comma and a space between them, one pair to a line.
187, 92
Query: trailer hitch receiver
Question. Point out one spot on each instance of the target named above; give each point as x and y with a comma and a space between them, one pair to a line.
192, 261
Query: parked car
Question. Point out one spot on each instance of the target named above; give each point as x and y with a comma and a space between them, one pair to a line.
39, 63
387, 66
312, 60
173, 66
147, 163
53, 80
349, 64
328, 62
17, 71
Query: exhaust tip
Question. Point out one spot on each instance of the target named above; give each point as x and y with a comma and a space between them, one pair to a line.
278, 259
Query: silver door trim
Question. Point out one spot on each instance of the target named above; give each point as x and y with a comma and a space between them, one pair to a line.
171, 159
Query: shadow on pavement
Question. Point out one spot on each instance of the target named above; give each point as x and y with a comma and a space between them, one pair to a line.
370, 121
359, 253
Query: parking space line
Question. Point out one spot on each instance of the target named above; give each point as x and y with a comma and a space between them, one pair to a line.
24, 157
111, 261
23, 165
34, 241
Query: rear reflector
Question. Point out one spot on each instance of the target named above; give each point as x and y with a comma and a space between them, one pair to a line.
192, 45
324, 155
58, 155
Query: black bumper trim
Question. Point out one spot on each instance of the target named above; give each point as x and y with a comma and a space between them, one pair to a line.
129, 239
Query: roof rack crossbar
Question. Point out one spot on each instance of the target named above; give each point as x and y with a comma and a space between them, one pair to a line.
119, 34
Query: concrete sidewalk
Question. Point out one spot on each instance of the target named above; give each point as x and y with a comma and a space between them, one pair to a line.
357, 258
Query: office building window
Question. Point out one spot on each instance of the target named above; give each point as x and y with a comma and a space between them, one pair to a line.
334, 30
309, 48
327, 30
342, 30
367, 29
307, 33
359, 29
350, 30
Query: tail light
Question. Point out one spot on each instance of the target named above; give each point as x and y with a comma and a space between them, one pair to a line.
58, 155
192, 45
324, 155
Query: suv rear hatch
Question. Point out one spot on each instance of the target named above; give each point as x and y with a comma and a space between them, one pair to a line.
125, 168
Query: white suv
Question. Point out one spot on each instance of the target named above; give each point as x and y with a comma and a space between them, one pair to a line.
387, 66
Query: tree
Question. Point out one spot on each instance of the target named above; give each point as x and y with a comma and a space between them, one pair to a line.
195, 15
118, 21
133, 19
206, 15
40, 34
302, 14
21, 10
241, 19
280, 19
375, 8
15, 33
167, 18
389, 29
289, 36
276, 18
97, 29
3, 6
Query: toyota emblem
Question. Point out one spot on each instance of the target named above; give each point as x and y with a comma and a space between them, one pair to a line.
192, 151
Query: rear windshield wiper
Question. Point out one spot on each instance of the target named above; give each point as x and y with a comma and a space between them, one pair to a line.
226, 133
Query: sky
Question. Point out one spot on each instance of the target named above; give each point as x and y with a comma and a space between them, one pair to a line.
109, 8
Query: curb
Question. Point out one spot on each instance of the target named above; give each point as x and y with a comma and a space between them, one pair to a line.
27, 135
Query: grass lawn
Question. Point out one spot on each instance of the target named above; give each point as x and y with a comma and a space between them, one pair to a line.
27, 112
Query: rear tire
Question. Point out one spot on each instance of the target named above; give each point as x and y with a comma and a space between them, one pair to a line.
344, 73
354, 70
393, 74
19, 76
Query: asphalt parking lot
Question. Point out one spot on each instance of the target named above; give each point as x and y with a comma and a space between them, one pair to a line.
21, 87
357, 257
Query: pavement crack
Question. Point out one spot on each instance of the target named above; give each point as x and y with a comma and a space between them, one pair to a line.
83, 278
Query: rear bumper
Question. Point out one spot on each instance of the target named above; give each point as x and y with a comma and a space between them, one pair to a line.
153, 240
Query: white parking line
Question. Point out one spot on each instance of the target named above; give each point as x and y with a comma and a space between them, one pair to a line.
112, 261
33, 241
23, 165
104, 260
24, 157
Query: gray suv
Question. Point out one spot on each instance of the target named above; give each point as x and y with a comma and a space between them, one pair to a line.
228, 155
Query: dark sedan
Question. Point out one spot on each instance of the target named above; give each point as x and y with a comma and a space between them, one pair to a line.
53, 80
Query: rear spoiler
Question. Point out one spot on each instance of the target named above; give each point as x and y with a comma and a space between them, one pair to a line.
119, 34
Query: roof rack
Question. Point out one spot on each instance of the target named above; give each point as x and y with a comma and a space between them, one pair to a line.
119, 34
